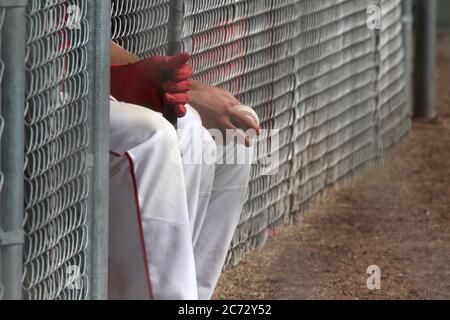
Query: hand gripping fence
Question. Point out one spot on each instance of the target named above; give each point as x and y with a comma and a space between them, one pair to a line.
331, 89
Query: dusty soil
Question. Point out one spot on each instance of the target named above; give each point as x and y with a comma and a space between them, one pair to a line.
397, 218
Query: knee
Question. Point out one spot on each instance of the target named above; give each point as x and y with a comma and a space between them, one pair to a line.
165, 133
132, 126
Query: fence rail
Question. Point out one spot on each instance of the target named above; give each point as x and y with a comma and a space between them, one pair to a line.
330, 87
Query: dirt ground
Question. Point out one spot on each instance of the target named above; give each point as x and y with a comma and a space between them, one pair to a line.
397, 218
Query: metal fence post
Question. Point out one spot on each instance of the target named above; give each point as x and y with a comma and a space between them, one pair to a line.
407, 44
425, 53
12, 162
99, 66
174, 38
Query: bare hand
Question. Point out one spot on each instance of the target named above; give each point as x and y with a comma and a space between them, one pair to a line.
217, 110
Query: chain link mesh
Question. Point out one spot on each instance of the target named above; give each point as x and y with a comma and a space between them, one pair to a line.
328, 119
56, 181
140, 26
395, 116
311, 69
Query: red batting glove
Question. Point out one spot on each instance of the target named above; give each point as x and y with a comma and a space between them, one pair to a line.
145, 83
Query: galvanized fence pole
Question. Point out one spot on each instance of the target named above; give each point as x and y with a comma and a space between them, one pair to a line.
12, 148
425, 99
407, 44
174, 37
175, 28
99, 66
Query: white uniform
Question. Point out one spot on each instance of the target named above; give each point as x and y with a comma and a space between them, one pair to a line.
171, 221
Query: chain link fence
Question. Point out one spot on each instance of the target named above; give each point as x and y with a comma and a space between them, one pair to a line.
63, 172
56, 178
55, 123
140, 26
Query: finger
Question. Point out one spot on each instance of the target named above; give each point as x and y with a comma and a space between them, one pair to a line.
177, 87
173, 62
176, 98
244, 122
180, 110
182, 73
238, 135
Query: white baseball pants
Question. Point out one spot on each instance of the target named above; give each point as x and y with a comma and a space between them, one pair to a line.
173, 211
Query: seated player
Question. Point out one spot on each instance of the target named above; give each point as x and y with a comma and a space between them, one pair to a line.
173, 210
